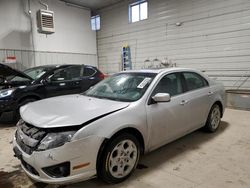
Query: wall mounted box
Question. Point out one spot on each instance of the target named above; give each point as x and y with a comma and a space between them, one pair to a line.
45, 21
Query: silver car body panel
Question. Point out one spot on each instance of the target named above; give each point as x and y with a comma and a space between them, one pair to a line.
67, 110
158, 123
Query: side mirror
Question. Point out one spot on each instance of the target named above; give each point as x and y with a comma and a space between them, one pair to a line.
45, 81
161, 97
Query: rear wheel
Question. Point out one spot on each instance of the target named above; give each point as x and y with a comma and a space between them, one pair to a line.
119, 158
213, 120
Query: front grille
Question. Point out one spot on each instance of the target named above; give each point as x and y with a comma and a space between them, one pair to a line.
28, 137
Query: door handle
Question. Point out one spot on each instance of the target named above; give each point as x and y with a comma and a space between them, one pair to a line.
210, 93
183, 102
62, 84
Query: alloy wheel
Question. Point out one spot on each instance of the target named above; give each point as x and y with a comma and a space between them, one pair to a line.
123, 159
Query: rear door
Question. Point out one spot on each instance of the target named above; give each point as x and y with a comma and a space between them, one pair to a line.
198, 98
64, 81
89, 78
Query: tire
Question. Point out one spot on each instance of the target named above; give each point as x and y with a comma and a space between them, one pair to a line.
119, 159
16, 115
214, 118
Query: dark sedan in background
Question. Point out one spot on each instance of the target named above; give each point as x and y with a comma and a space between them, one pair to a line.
19, 88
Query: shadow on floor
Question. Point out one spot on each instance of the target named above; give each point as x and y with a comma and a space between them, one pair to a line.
148, 163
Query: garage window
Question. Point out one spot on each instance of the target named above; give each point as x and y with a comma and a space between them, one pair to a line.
95, 23
138, 11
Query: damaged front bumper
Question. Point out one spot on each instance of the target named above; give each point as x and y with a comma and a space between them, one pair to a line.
74, 161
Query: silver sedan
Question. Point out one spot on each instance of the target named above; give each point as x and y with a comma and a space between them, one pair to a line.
104, 131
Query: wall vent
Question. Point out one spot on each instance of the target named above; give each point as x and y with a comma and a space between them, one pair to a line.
45, 21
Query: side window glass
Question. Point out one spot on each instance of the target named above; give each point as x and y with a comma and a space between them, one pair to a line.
194, 81
75, 72
88, 71
18, 78
169, 84
71, 73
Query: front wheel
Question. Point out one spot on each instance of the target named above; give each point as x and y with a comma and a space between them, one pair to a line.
119, 159
213, 120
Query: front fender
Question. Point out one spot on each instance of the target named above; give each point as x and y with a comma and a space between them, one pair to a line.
107, 126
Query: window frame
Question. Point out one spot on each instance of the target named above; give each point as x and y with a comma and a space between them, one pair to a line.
135, 4
149, 99
95, 71
205, 81
183, 84
95, 18
178, 76
62, 69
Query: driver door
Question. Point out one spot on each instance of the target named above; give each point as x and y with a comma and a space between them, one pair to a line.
167, 120
64, 81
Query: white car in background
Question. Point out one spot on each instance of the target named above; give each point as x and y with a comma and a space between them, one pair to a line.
104, 131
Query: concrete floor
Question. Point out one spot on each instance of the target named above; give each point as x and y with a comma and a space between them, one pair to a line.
197, 160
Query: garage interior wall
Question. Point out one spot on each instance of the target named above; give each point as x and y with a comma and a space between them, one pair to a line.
72, 42
213, 36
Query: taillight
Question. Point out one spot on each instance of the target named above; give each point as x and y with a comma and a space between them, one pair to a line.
101, 76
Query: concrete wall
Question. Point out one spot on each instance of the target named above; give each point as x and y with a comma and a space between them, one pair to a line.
73, 41
214, 37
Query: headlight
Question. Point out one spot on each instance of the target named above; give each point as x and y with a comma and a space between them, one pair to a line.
20, 122
6, 92
54, 140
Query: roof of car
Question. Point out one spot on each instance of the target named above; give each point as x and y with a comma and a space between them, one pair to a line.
61, 65
58, 65
157, 71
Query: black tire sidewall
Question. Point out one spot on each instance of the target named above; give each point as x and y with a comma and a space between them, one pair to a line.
209, 126
103, 168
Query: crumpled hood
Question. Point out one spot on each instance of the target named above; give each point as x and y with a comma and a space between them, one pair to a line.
67, 110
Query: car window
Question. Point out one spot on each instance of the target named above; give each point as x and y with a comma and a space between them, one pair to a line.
35, 73
170, 83
18, 78
88, 71
122, 87
194, 81
70, 73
